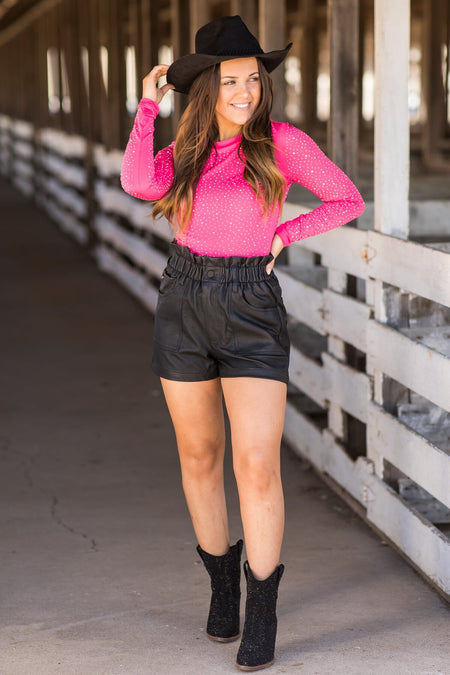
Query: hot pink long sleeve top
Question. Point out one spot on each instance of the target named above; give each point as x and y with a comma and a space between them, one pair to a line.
227, 219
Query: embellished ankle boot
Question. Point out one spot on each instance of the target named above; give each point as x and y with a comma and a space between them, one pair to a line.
225, 573
260, 628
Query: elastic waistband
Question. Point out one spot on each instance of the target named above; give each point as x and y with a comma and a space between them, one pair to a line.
221, 269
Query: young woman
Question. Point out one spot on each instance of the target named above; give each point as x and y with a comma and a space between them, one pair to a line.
220, 325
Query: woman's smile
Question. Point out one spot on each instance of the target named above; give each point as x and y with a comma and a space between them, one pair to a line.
239, 95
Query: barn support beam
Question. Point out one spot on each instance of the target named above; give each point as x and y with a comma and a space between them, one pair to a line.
272, 35
342, 132
433, 91
199, 15
309, 63
181, 46
343, 22
247, 11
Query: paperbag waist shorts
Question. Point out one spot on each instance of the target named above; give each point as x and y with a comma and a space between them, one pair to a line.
219, 317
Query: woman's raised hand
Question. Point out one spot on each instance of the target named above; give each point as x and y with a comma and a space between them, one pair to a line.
149, 84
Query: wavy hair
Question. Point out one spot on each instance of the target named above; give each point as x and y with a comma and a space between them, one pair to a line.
196, 135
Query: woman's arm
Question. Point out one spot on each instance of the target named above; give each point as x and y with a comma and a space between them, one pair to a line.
302, 161
142, 174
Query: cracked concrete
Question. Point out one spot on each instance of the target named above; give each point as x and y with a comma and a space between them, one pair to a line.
87, 455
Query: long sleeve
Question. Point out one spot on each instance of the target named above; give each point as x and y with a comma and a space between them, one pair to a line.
302, 161
143, 175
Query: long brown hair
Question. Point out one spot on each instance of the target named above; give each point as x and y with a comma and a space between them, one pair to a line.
196, 135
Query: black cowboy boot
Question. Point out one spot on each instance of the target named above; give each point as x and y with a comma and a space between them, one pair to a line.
260, 628
225, 573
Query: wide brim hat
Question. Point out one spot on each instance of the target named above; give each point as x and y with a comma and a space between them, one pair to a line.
220, 40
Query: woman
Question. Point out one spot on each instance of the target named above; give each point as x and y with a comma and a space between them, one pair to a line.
220, 326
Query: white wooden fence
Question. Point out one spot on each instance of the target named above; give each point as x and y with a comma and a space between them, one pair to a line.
398, 393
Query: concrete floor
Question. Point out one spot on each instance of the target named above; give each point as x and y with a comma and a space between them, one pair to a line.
99, 574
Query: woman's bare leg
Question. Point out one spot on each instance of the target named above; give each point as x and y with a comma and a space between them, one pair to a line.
197, 416
256, 409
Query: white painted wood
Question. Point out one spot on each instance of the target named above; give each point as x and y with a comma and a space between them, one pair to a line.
414, 267
351, 475
392, 260
304, 437
22, 149
132, 245
412, 364
322, 450
308, 376
22, 129
344, 248
66, 221
22, 170
346, 318
421, 542
302, 302
436, 337
66, 196
135, 281
65, 171
391, 170
62, 143
108, 162
419, 459
346, 387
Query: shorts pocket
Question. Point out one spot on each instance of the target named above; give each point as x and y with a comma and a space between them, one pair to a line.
259, 296
168, 283
168, 328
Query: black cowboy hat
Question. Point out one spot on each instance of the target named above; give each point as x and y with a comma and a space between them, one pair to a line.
220, 40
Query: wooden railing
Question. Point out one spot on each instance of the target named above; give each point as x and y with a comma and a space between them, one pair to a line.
396, 388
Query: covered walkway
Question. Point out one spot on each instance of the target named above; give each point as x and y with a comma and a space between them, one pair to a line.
98, 563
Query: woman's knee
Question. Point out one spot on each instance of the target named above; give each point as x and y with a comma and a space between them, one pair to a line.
201, 457
256, 469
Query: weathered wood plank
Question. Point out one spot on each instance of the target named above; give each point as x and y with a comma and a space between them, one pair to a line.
412, 364
304, 437
322, 450
391, 169
308, 376
132, 279
346, 387
303, 302
419, 459
420, 541
346, 318
344, 249
136, 248
411, 266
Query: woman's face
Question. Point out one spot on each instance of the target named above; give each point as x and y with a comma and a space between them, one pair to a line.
239, 94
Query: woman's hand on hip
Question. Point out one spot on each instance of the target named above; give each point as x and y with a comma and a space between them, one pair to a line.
149, 84
275, 249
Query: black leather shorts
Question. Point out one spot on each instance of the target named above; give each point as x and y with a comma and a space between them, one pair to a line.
219, 317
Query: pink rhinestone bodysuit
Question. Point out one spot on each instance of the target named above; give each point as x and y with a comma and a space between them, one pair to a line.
227, 219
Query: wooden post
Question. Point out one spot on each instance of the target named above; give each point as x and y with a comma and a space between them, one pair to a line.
343, 23
309, 63
433, 91
391, 171
343, 32
199, 15
272, 35
181, 45
248, 13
